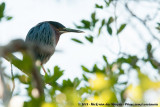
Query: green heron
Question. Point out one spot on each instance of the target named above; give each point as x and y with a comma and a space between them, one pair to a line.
46, 34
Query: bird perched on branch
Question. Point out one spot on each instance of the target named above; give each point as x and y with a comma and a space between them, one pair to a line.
46, 34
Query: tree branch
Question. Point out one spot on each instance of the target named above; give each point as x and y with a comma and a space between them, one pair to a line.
143, 22
21, 46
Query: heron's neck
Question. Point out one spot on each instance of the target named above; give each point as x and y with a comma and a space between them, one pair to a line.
57, 33
57, 38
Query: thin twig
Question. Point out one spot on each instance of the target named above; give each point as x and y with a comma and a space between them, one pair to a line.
115, 17
13, 82
143, 22
20, 45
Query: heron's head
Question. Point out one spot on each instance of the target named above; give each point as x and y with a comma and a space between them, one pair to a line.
62, 29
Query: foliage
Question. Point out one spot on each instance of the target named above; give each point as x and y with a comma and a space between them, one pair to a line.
98, 85
2, 12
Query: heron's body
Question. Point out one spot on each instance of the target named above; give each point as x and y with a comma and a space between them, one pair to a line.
46, 34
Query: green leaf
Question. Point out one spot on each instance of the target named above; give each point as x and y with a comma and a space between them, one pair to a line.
149, 50
24, 79
110, 20
131, 60
121, 71
85, 89
103, 22
89, 38
27, 62
85, 78
86, 24
79, 27
85, 69
76, 40
95, 69
57, 73
76, 82
2, 8
67, 83
108, 2
121, 28
53, 78
9, 17
94, 19
109, 29
105, 59
99, 31
100, 28
99, 6
149, 47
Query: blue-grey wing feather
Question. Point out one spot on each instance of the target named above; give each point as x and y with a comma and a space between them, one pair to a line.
43, 35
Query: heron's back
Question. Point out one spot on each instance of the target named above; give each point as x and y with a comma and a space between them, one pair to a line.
44, 36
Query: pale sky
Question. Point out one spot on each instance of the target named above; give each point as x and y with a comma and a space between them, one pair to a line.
27, 13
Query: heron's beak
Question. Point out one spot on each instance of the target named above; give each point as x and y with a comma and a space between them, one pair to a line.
65, 30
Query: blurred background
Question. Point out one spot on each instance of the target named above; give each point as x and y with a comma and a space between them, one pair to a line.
29, 13
120, 47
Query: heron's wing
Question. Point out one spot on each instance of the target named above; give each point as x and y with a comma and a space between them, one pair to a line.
41, 34
44, 36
